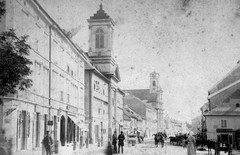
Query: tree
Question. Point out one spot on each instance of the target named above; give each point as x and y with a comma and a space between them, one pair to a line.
2, 10
14, 64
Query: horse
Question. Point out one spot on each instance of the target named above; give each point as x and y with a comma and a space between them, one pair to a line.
210, 145
201, 142
178, 139
173, 139
159, 137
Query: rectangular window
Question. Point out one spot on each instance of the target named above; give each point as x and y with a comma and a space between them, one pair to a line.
38, 82
36, 45
45, 81
24, 130
96, 133
224, 123
99, 111
55, 128
68, 98
97, 41
45, 123
37, 142
101, 40
61, 97
68, 69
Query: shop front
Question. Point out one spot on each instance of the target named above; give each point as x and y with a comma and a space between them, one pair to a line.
225, 135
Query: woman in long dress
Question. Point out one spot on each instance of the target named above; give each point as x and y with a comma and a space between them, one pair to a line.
191, 149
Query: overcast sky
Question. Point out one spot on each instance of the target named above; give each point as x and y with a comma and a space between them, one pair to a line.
192, 44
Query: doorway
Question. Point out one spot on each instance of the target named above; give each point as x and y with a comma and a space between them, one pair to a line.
62, 131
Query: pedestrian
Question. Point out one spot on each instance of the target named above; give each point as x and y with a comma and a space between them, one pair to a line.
121, 138
114, 142
191, 149
109, 148
47, 143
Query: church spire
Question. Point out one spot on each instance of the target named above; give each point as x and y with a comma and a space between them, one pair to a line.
101, 14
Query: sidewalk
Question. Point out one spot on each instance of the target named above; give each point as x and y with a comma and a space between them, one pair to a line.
205, 152
236, 152
101, 150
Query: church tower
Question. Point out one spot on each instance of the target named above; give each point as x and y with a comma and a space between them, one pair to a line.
156, 89
154, 83
101, 43
101, 28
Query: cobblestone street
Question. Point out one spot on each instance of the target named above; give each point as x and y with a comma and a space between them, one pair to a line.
148, 148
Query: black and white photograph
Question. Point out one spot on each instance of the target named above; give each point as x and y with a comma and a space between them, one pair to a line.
108, 77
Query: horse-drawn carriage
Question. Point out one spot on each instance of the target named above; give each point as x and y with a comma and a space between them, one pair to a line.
222, 143
159, 137
223, 146
178, 139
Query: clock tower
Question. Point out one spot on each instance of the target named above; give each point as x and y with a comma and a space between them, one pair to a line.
154, 83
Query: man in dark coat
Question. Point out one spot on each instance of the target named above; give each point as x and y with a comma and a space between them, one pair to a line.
114, 142
121, 138
47, 143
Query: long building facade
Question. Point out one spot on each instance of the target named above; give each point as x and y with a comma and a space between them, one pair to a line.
74, 95
55, 102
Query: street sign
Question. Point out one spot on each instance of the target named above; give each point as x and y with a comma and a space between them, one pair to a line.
50, 122
224, 130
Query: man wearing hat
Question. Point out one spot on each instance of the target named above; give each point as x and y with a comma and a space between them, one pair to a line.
121, 138
47, 143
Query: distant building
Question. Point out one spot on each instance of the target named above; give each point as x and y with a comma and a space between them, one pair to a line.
151, 121
137, 107
174, 127
152, 97
133, 122
196, 124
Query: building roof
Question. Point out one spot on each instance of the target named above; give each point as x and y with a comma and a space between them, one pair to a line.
225, 96
224, 111
129, 113
232, 77
126, 115
136, 105
144, 94
100, 14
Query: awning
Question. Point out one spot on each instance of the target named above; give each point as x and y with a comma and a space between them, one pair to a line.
75, 120
78, 123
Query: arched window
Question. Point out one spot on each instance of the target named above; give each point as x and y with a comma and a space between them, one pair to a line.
154, 83
99, 38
